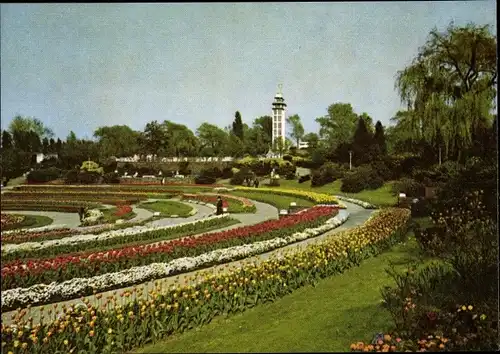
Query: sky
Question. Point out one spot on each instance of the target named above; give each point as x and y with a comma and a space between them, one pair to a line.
81, 66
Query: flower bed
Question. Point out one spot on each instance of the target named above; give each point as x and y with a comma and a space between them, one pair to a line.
86, 264
27, 236
111, 187
77, 286
110, 239
64, 206
318, 198
117, 327
101, 197
8, 220
365, 205
233, 203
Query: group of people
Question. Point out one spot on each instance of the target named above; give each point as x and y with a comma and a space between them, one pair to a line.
252, 182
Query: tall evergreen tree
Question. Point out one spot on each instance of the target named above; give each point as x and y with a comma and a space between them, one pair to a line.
362, 144
379, 138
52, 145
238, 125
45, 145
6, 140
58, 145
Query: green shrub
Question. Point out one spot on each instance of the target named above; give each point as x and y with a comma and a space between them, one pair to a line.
288, 158
71, 176
363, 177
204, 179
42, 176
304, 178
240, 176
111, 178
89, 177
409, 186
227, 172
327, 173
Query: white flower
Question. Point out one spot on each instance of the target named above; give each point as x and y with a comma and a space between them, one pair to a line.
42, 293
9, 248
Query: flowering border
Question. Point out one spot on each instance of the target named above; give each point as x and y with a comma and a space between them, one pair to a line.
361, 203
83, 238
42, 293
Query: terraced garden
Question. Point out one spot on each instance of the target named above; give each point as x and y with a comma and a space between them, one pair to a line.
183, 271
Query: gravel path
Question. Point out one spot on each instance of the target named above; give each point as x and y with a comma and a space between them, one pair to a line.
357, 216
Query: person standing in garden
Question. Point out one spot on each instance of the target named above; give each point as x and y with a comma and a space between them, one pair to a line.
219, 206
81, 213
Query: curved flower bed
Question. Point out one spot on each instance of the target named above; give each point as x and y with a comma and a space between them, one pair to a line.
65, 206
365, 205
318, 198
9, 220
234, 204
178, 308
114, 238
42, 293
111, 187
84, 265
40, 235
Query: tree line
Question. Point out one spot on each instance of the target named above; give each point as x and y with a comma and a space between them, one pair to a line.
448, 90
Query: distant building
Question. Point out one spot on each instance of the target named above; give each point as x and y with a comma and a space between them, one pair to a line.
303, 145
279, 115
39, 157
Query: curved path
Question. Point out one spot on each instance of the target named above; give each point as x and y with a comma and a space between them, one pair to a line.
357, 216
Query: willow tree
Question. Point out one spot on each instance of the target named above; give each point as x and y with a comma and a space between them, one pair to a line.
450, 86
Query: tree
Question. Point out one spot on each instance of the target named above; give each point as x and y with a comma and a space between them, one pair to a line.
362, 144
297, 129
312, 139
368, 122
26, 124
281, 146
338, 126
238, 126
52, 145
117, 140
266, 124
45, 145
255, 141
154, 138
59, 145
379, 138
234, 146
212, 139
6, 140
75, 152
181, 140
71, 138
450, 85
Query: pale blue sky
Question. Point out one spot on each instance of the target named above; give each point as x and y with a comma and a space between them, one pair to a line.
81, 66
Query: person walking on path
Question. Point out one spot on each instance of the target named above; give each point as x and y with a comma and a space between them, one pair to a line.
256, 183
219, 206
81, 213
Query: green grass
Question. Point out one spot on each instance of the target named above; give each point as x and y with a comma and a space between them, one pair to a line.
168, 207
382, 196
340, 310
30, 222
279, 201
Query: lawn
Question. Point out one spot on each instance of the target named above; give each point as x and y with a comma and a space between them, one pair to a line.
30, 222
168, 207
329, 317
382, 196
279, 201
